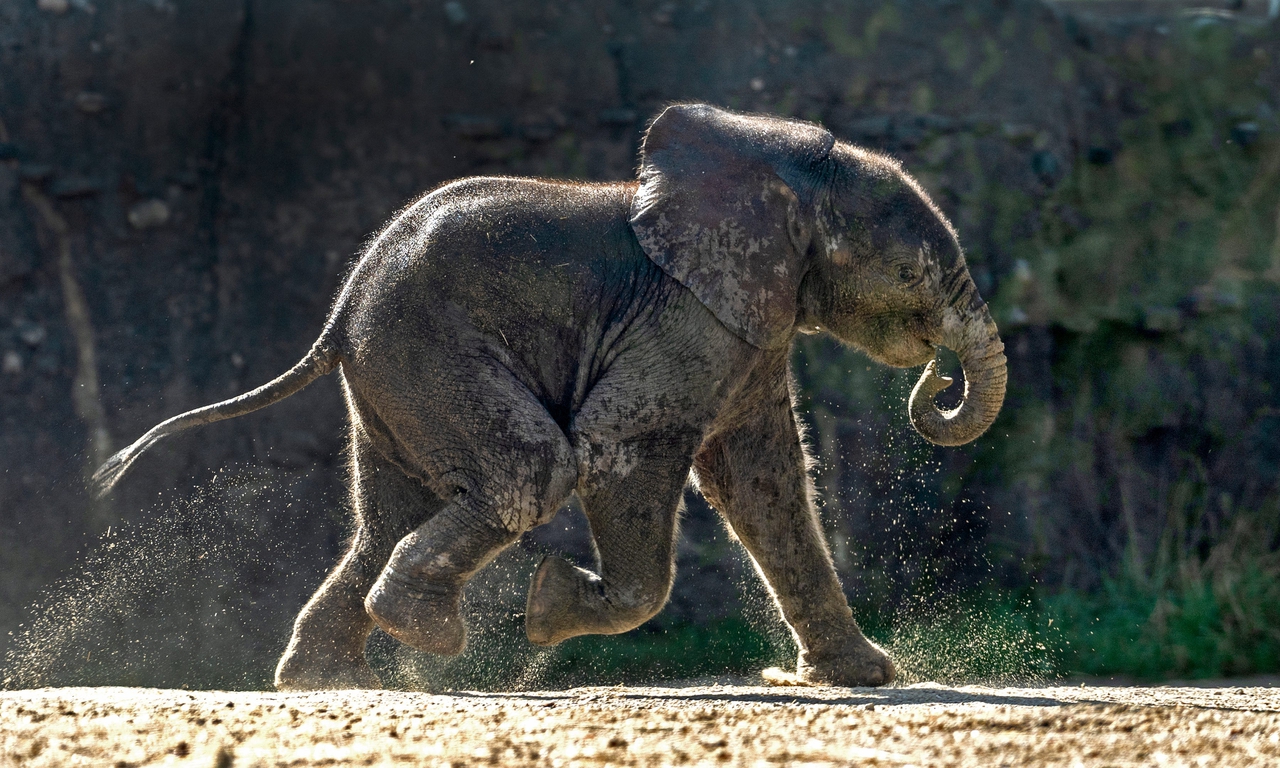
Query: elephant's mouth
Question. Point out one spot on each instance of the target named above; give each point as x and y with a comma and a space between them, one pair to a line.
905, 353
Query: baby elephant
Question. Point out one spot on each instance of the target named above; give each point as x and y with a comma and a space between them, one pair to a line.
507, 342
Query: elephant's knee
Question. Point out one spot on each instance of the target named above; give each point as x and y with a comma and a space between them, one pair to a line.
536, 489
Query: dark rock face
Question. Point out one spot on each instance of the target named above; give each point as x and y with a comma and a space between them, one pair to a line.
217, 165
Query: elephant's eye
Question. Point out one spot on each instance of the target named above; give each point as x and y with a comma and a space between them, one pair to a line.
906, 273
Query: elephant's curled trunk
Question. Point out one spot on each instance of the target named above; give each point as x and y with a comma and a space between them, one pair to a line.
974, 338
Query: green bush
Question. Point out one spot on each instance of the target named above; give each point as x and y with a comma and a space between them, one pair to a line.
1182, 615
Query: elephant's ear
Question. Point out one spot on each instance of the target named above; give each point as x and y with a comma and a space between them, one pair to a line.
724, 207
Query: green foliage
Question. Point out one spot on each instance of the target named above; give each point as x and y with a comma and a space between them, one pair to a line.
1188, 631
1186, 612
992, 637
1180, 615
1196, 621
1152, 269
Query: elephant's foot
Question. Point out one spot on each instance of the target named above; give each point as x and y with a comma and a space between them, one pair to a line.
560, 605
300, 671
855, 663
553, 594
424, 617
566, 601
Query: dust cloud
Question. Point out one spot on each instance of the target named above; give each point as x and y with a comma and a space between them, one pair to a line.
202, 592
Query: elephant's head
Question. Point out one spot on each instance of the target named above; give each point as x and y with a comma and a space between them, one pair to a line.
777, 228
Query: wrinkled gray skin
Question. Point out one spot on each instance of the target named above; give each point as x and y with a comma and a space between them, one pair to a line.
507, 342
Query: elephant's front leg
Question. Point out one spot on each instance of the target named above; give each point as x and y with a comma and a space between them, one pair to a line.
631, 493
754, 474
634, 446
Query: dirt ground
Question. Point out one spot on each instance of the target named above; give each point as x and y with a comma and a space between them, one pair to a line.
924, 725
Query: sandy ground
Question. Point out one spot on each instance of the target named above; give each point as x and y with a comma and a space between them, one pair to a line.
924, 725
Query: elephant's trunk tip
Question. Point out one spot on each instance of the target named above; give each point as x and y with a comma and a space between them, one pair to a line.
931, 382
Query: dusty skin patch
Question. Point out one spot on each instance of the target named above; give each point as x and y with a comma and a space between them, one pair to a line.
924, 725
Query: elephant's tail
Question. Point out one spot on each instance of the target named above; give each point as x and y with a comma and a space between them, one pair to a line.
320, 361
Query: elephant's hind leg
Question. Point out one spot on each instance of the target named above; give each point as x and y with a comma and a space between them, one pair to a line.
327, 647
503, 465
418, 598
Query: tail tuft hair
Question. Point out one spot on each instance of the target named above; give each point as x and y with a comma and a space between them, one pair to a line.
114, 468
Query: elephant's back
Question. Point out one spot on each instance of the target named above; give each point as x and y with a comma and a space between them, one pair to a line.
471, 240
474, 230
540, 267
